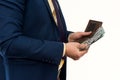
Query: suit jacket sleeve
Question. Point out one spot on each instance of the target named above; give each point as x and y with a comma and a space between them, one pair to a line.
21, 46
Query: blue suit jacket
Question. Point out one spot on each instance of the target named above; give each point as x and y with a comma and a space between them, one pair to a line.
30, 40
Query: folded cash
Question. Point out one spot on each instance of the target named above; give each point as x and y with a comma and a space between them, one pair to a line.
98, 34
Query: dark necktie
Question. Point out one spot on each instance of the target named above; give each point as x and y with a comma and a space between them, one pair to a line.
59, 22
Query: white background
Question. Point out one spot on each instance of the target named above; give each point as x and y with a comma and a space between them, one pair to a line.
102, 62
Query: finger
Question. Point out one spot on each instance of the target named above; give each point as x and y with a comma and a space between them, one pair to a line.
83, 47
81, 53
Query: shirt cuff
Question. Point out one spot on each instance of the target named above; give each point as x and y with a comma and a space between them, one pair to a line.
64, 49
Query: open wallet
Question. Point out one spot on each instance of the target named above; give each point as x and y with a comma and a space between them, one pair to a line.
97, 32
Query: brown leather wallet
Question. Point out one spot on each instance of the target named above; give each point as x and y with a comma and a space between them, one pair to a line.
93, 25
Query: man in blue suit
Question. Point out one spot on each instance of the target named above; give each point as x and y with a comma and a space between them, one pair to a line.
31, 43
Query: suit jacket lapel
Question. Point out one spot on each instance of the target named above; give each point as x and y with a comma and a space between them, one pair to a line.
48, 8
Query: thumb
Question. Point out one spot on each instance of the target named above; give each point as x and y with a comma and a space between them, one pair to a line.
86, 33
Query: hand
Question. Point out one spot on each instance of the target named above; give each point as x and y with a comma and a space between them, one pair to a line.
75, 50
73, 37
